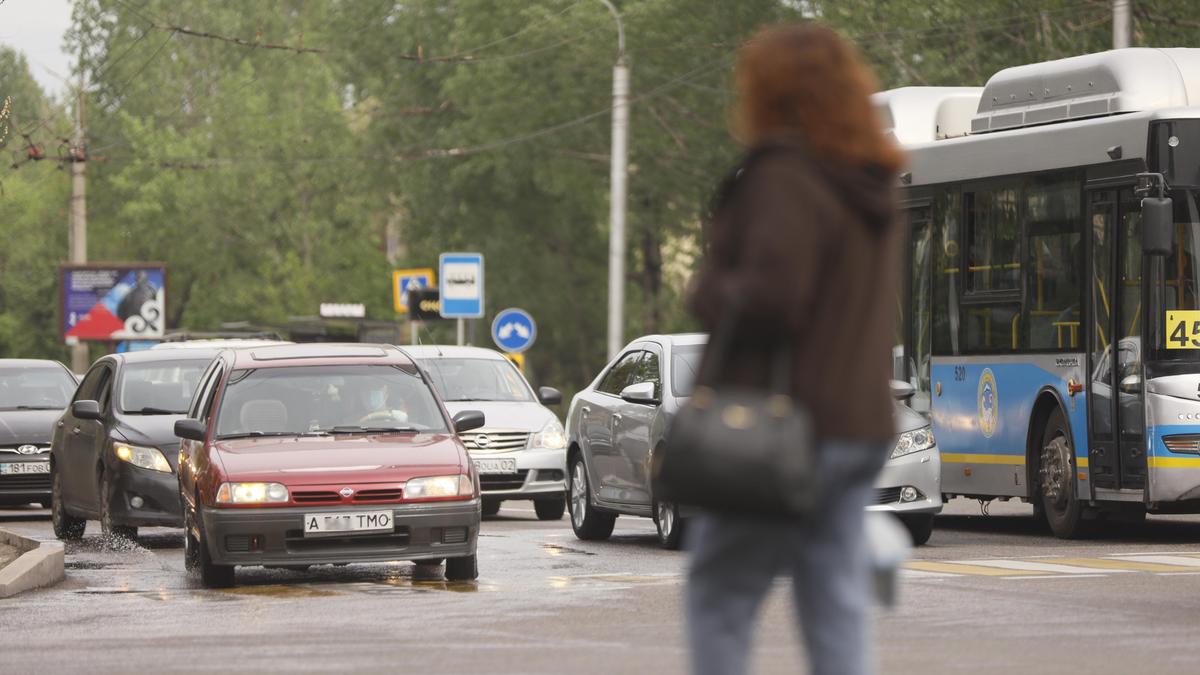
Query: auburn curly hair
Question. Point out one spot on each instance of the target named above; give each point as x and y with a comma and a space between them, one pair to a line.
805, 80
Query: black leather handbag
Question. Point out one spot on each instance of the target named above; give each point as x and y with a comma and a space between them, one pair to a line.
740, 450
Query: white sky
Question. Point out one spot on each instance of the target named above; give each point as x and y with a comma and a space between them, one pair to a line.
36, 28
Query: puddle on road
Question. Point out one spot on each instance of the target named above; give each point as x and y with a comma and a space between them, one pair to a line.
607, 580
279, 591
559, 549
86, 565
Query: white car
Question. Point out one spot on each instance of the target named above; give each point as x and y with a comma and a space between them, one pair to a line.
521, 451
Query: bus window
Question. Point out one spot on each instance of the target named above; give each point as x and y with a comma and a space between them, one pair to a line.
1055, 264
993, 240
946, 273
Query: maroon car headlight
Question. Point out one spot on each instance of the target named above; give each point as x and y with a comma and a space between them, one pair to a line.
429, 487
252, 493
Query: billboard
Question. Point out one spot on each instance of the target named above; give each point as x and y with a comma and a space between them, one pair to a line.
112, 301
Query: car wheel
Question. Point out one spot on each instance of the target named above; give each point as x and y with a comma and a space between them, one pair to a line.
66, 526
107, 526
465, 568
919, 526
211, 575
587, 521
669, 524
491, 506
550, 509
1056, 480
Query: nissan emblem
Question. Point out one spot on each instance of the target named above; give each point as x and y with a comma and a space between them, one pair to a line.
346, 492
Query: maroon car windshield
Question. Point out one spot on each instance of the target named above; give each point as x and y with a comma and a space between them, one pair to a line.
304, 400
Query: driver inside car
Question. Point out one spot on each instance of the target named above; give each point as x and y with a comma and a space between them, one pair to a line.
381, 406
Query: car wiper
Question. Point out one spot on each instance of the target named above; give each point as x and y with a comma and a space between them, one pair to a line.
256, 434
457, 400
353, 429
151, 410
35, 407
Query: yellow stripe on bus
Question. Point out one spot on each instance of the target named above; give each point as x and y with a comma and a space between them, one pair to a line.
1015, 460
1173, 462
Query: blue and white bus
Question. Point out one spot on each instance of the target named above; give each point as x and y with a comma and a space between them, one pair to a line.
1052, 317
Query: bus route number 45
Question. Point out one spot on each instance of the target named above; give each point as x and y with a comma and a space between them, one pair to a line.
1183, 329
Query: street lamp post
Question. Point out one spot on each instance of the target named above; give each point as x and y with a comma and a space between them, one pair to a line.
619, 173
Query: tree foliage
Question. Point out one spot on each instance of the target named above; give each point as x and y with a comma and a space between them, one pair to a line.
280, 155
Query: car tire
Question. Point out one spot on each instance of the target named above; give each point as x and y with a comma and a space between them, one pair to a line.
669, 524
1056, 481
108, 527
211, 575
491, 506
919, 526
66, 526
588, 522
465, 568
550, 509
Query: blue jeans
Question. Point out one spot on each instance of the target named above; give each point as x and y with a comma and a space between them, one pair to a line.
735, 560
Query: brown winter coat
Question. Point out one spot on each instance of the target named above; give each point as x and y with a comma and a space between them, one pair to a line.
807, 253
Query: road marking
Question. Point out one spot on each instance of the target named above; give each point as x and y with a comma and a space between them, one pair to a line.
1182, 561
1113, 564
1031, 566
961, 568
1063, 576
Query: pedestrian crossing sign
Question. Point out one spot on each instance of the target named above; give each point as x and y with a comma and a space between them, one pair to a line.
404, 281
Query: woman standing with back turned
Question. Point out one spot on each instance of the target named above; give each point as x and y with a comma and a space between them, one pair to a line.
803, 250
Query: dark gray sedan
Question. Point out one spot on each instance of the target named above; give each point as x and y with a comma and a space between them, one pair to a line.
615, 425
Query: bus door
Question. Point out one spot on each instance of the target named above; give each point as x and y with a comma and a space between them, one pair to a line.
1116, 411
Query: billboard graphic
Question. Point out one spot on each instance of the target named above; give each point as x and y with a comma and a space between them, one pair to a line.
113, 302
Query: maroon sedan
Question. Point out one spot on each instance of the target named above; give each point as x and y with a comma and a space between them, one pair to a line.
299, 455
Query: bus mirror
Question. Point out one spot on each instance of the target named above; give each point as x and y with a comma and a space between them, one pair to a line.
1157, 225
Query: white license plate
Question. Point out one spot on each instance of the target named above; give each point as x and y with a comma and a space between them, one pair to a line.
496, 465
25, 467
356, 521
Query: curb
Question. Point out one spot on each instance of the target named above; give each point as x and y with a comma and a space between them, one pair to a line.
41, 564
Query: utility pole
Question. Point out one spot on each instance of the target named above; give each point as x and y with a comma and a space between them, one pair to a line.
78, 235
619, 174
1122, 12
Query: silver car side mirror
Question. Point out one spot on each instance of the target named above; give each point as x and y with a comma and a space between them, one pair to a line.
902, 391
641, 392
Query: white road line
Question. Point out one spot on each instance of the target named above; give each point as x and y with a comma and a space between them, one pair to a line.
1160, 559
922, 574
1059, 576
1027, 566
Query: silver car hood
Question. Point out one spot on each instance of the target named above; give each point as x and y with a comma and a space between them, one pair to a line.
907, 419
528, 416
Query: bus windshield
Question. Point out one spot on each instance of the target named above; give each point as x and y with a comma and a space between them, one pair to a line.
1180, 279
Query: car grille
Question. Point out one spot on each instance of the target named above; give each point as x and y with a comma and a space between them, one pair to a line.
503, 481
495, 441
887, 495
41, 449
26, 481
372, 496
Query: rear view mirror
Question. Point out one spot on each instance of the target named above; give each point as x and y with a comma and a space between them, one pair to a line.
1131, 384
549, 396
467, 420
1158, 225
902, 391
86, 410
642, 392
192, 430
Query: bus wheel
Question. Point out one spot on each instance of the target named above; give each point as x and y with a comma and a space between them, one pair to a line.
1056, 480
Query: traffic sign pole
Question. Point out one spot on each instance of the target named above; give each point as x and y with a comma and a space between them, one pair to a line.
461, 333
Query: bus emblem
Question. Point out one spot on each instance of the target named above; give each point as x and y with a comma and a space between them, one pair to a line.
989, 403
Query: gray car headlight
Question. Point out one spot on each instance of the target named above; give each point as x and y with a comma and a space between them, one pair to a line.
913, 441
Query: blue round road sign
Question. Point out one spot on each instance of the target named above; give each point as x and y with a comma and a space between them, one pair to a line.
514, 330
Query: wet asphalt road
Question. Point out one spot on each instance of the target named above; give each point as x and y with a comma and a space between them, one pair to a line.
990, 594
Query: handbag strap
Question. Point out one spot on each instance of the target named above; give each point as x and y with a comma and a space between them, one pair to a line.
720, 352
